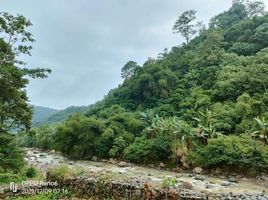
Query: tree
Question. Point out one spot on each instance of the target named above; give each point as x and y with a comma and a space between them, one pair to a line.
184, 25
255, 8
206, 128
129, 69
15, 112
15, 40
262, 133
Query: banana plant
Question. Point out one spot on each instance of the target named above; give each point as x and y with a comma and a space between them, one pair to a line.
262, 133
206, 128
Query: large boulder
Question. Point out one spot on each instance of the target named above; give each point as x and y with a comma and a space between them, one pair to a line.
122, 164
198, 170
162, 165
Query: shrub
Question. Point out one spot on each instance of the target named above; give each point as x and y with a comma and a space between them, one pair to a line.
11, 159
142, 150
168, 182
234, 152
31, 172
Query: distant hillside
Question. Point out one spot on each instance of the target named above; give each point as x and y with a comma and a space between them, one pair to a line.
41, 114
44, 115
64, 114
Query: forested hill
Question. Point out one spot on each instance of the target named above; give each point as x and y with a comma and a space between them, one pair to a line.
44, 115
203, 103
224, 65
41, 114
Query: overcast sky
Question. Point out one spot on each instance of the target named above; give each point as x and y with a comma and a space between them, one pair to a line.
86, 42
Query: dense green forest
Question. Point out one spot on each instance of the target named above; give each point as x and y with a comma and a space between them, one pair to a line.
203, 103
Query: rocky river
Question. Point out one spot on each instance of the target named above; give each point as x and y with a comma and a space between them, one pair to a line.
200, 182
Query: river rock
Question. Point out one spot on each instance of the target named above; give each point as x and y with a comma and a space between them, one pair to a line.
198, 170
104, 160
112, 161
186, 186
122, 164
265, 178
162, 165
52, 151
232, 180
199, 178
94, 158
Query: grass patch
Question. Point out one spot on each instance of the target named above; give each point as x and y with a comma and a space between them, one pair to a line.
64, 171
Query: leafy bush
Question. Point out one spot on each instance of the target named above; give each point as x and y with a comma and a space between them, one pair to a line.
163, 139
11, 158
31, 172
142, 150
168, 182
235, 152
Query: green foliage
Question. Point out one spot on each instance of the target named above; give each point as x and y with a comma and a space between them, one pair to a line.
262, 133
77, 136
64, 171
6, 178
214, 85
183, 24
206, 127
164, 138
129, 70
41, 114
106, 134
168, 182
234, 152
31, 172
11, 159
15, 40
141, 151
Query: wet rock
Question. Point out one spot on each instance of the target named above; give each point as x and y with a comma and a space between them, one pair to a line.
208, 186
199, 178
225, 184
198, 170
112, 161
186, 186
232, 180
104, 160
162, 165
122, 164
265, 178
238, 178
94, 158
149, 174
52, 151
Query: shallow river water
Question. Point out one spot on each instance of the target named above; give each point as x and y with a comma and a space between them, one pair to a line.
45, 160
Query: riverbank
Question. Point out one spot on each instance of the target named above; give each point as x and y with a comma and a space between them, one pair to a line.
45, 161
